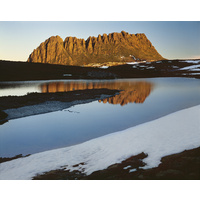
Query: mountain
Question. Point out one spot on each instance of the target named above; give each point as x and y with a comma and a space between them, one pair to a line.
114, 47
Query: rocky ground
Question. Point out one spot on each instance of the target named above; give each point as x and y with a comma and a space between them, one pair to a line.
5, 159
180, 166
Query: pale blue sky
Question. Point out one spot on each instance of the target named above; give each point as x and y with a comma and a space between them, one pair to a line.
172, 39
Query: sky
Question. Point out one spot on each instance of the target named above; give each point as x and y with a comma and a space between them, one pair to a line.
172, 39
172, 28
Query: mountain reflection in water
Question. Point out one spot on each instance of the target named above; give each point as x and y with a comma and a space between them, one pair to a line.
132, 92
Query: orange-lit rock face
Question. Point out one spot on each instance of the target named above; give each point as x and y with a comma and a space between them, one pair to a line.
132, 92
105, 48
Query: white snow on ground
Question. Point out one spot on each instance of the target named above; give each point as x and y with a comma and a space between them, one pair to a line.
175, 66
143, 66
104, 67
195, 73
191, 73
191, 61
132, 170
164, 136
127, 167
196, 69
132, 63
192, 67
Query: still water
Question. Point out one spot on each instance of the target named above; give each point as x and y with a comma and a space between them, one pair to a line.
140, 101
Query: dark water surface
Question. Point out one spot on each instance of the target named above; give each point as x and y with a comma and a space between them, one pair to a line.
141, 100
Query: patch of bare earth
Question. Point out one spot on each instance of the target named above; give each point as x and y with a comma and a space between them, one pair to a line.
180, 166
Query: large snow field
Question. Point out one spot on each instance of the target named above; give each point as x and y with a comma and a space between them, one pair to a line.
164, 136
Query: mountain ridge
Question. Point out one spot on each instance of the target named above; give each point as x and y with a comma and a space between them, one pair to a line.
114, 47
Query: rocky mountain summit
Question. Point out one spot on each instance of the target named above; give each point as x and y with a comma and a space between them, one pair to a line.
114, 47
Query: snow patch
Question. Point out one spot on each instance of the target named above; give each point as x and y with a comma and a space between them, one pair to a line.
132, 63
135, 66
132, 170
191, 61
104, 67
161, 137
197, 69
191, 74
194, 73
143, 66
192, 67
127, 167
176, 67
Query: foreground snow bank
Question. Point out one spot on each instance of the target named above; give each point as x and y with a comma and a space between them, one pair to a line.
164, 136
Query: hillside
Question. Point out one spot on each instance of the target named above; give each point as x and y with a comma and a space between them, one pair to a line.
25, 71
114, 47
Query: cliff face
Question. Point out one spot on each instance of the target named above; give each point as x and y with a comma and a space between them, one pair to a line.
114, 47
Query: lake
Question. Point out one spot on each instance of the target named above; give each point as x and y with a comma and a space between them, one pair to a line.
140, 101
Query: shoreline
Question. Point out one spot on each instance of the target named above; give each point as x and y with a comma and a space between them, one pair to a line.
13, 107
95, 155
